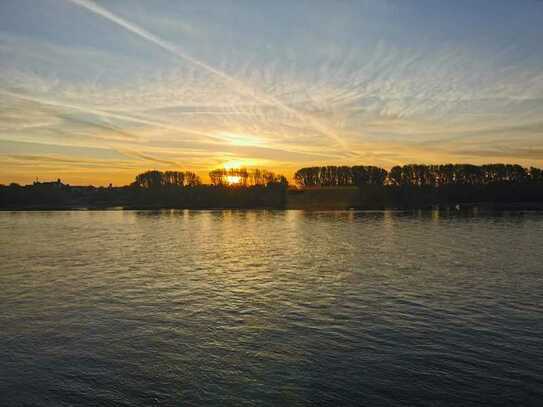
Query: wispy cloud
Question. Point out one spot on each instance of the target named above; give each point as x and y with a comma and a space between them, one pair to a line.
237, 85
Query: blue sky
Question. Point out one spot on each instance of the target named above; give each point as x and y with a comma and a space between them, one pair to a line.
94, 92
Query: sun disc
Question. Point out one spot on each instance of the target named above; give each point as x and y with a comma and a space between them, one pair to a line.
233, 179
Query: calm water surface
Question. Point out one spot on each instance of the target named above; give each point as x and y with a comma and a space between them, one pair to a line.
270, 308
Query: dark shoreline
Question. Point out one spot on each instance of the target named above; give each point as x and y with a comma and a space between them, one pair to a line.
58, 196
484, 206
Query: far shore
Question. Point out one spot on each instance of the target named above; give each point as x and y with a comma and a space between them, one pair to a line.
408, 187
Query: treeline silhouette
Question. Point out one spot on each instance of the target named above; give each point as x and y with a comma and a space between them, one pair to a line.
416, 175
158, 179
426, 186
155, 189
340, 176
364, 187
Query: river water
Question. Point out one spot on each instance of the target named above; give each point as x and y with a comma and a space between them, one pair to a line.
270, 308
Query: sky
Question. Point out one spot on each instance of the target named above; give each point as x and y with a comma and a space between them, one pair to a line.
94, 92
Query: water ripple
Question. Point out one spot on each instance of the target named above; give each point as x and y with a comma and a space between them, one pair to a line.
270, 308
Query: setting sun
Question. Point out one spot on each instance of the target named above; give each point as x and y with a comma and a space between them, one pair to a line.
233, 179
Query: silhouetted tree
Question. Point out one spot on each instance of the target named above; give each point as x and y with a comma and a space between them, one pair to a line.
535, 174
149, 179
157, 179
191, 179
218, 176
174, 178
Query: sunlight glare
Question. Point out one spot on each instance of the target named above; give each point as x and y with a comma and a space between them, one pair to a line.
233, 179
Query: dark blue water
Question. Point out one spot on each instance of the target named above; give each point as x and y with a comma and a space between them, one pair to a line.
270, 308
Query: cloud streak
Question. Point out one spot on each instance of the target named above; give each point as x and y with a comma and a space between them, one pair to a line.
235, 84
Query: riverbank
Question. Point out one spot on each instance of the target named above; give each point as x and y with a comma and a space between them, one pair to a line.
502, 196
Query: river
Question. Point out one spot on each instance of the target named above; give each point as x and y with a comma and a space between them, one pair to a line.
271, 308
